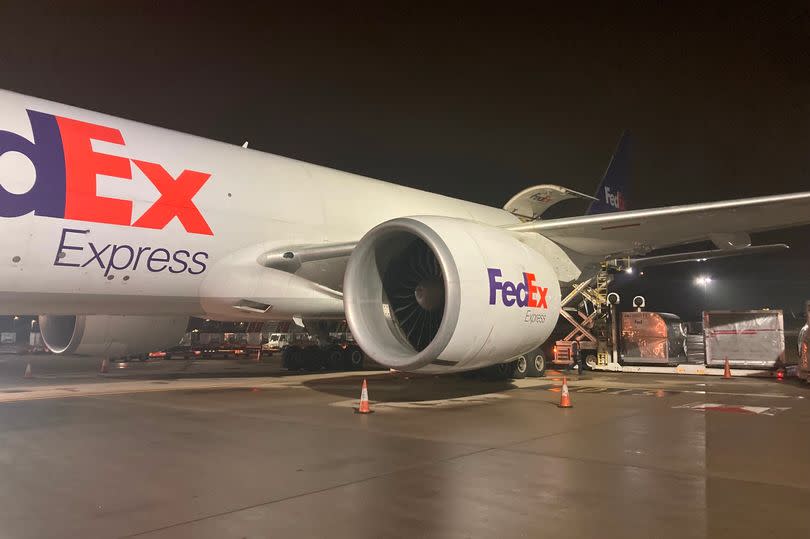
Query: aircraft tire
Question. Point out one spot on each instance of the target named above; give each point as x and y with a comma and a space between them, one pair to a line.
520, 368
312, 358
497, 373
536, 364
334, 358
291, 358
354, 358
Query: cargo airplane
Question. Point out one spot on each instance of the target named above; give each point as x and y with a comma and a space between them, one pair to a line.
115, 233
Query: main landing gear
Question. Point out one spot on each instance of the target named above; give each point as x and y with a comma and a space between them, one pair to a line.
532, 365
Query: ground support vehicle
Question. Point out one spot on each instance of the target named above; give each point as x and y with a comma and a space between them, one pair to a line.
595, 342
587, 309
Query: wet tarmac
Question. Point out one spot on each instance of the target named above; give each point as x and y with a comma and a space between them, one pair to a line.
225, 453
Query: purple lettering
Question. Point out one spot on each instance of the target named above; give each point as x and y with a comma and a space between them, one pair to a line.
521, 294
522, 300
127, 257
494, 285
184, 266
60, 252
154, 258
96, 255
141, 250
508, 293
199, 263
115, 250
47, 196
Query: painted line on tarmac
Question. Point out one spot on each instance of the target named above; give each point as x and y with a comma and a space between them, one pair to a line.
660, 392
732, 408
117, 385
455, 402
760, 395
450, 402
528, 383
23, 393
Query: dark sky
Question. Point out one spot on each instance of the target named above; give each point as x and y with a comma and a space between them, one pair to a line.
472, 103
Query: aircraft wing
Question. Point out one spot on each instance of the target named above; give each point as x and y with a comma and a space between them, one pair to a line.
640, 231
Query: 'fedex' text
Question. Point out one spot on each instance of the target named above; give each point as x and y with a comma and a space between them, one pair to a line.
522, 294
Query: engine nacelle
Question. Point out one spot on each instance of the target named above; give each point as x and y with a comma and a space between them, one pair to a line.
112, 336
440, 294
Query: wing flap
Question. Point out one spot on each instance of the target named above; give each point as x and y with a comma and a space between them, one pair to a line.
702, 256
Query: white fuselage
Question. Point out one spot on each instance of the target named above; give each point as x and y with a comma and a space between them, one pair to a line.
252, 202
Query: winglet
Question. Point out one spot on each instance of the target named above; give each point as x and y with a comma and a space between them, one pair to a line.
613, 189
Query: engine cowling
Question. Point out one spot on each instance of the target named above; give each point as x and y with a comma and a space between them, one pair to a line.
441, 294
113, 336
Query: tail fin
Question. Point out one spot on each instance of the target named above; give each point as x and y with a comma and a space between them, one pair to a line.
611, 195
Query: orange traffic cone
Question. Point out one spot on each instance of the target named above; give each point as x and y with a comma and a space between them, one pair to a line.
28, 372
105, 366
258, 355
364, 406
565, 398
727, 371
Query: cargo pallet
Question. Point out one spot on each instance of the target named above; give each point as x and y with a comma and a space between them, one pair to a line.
684, 368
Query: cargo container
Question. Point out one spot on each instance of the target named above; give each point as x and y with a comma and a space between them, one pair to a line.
651, 338
748, 339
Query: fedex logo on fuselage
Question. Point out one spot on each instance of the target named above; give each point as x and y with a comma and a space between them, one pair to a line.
67, 168
614, 199
522, 294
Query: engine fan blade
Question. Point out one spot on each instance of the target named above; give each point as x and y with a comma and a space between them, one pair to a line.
415, 289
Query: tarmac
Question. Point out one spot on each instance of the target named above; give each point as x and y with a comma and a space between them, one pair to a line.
221, 449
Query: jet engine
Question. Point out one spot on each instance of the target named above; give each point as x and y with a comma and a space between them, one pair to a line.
112, 336
439, 294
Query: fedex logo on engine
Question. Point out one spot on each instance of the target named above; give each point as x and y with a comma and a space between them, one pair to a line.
66, 174
522, 294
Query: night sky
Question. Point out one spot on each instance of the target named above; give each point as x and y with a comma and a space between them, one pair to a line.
475, 104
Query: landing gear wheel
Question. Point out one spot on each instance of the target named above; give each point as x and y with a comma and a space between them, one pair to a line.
291, 358
312, 359
354, 358
334, 358
537, 364
520, 367
499, 372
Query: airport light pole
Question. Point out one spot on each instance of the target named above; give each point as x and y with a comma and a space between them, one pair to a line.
703, 281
